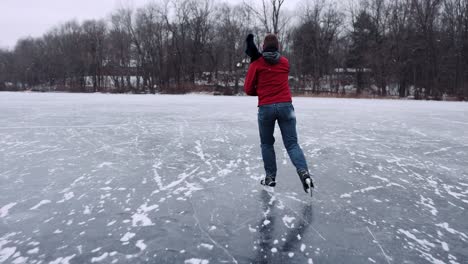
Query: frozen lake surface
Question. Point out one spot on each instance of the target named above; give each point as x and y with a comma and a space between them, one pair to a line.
95, 178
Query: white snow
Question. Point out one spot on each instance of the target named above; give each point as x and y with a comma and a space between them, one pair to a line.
63, 260
380, 178
4, 210
427, 202
100, 258
445, 246
288, 221
422, 242
303, 247
196, 261
141, 245
363, 190
127, 237
207, 246
446, 226
43, 202
105, 164
67, 196
33, 251
5, 253
87, 210
140, 218
20, 260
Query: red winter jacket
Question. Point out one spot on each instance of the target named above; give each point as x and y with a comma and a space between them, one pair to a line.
269, 82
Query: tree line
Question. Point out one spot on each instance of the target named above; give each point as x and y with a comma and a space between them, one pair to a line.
374, 47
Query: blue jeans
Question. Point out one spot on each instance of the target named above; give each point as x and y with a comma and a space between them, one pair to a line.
267, 117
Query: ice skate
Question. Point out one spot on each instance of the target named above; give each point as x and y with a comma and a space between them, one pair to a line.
268, 181
306, 181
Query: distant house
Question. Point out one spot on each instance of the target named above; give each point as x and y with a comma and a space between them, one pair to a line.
351, 70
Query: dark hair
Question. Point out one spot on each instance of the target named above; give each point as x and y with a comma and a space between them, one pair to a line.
270, 42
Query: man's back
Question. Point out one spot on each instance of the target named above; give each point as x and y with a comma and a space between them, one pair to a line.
268, 81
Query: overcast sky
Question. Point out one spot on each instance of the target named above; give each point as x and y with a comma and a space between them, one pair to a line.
23, 18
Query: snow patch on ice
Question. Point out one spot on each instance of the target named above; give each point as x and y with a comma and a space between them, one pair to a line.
100, 258
446, 226
105, 164
4, 210
437, 151
199, 149
127, 237
224, 172
380, 178
196, 261
364, 190
157, 178
427, 202
303, 247
33, 251
422, 242
445, 246
207, 246
77, 180
288, 221
87, 211
67, 196
6, 253
140, 218
20, 260
62, 260
141, 245
43, 202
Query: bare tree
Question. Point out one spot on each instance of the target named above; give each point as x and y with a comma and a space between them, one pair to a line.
119, 51
313, 41
455, 51
270, 15
93, 41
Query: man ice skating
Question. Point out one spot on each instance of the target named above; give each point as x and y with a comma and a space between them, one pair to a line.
267, 78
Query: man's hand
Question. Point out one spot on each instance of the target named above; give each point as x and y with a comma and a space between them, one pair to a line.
251, 49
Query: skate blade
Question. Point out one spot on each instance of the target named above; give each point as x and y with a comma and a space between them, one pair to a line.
309, 185
268, 188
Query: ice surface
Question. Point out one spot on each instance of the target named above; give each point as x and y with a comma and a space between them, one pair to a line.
175, 179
